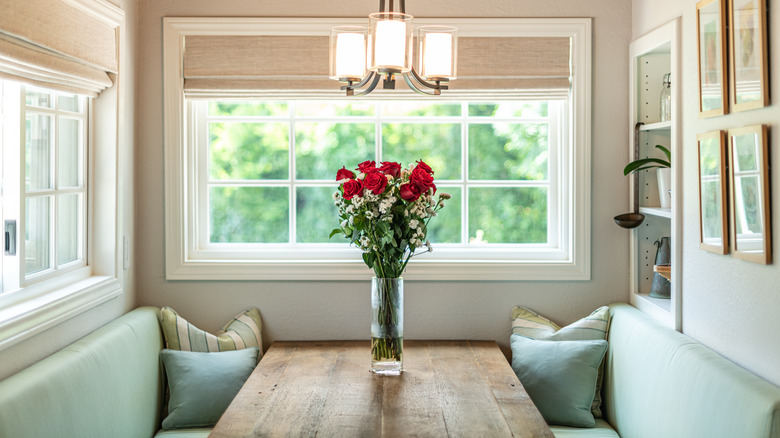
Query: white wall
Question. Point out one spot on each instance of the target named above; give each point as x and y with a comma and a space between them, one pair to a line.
340, 310
729, 305
37, 347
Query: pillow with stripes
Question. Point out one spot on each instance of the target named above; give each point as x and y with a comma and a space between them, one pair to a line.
529, 324
243, 331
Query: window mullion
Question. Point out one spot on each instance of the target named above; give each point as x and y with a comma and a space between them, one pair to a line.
464, 205
293, 187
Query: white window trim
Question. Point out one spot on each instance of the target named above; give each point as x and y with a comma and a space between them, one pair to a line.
33, 309
181, 264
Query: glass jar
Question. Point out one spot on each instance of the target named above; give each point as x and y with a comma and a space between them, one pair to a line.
666, 99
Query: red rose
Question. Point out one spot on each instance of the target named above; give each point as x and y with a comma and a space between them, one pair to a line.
375, 181
411, 191
353, 188
390, 168
420, 176
366, 166
421, 164
344, 173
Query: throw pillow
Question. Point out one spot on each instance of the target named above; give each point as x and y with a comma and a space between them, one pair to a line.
243, 331
559, 376
527, 323
202, 385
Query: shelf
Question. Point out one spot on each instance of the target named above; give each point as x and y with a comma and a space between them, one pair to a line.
657, 126
656, 211
658, 308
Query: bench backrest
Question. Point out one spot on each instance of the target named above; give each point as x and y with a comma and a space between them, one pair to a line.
660, 383
108, 384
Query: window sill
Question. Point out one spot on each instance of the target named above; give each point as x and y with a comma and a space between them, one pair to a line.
25, 313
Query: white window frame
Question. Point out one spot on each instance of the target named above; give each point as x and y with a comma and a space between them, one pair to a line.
34, 307
186, 261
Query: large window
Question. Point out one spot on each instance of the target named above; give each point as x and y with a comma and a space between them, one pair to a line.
250, 170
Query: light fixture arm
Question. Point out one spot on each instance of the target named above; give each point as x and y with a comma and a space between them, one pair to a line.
372, 77
436, 87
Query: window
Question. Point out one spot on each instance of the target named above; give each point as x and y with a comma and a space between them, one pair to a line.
250, 174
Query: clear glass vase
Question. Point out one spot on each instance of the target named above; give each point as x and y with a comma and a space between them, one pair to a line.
387, 325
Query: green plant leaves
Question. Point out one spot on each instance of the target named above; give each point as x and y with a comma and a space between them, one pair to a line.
649, 163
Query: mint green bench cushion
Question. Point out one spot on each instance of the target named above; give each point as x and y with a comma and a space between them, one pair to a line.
184, 433
602, 429
660, 383
108, 384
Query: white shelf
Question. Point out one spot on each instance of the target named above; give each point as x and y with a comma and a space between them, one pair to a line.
657, 126
658, 308
656, 211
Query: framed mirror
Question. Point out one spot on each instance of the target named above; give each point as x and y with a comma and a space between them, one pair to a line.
713, 223
749, 194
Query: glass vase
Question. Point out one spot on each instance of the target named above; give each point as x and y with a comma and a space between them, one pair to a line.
387, 325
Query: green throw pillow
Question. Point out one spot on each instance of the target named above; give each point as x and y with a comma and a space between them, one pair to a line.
243, 331
527, 323
202, 385
560, 377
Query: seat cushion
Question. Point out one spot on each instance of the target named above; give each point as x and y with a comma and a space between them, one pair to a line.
184, 433
602, 429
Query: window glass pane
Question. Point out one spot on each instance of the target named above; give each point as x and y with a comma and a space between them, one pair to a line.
507, 215
38, 151
321, 148
420, 108
445, 227
39, 98
248, 150
334, 108
249, 214
69, 228
248, 108
316, 215
438, 144
69, 158
509, 109
69, 102
37, 234
508, 151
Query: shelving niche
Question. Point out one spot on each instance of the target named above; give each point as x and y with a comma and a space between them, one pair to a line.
652, 56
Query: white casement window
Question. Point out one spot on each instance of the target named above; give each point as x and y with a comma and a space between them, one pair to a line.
60, 133
250, 174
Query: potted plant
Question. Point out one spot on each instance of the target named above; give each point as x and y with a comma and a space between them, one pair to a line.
663, 173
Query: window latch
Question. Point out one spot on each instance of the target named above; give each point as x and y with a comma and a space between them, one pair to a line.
10, 237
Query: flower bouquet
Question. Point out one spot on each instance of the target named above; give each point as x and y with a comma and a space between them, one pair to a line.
384, 210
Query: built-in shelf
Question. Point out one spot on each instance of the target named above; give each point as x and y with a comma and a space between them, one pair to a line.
656, 211
657, 126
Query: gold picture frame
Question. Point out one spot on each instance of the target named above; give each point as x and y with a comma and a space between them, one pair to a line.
751, 236
711, 33
748, 63
713, 192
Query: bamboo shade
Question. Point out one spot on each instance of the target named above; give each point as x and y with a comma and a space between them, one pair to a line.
57, 45
215, 64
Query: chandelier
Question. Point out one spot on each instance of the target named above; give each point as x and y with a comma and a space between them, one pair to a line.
360, 56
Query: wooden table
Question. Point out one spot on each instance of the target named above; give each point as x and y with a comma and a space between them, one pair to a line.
448, 388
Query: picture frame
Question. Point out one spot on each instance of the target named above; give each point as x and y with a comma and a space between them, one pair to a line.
711, 36
713, 192
750, 221
748, 63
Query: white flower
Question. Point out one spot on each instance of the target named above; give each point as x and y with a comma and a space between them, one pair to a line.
350, 209
344, 223
369, 214
414, 223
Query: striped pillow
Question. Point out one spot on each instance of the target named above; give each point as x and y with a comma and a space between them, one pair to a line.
243, 331
529, 324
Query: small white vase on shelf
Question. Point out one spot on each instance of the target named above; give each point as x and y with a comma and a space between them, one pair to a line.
664, 175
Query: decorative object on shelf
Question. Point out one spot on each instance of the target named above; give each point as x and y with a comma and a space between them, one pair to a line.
751, 237
713, 225
665, 112
664, 270
635, 218
385, 210
711, 25
748, 63
660, 287
360, 56
663, 174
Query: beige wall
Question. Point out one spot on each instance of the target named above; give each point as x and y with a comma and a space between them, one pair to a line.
33, 349
729, 305
340, 310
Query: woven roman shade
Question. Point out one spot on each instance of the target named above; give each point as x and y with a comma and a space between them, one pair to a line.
54, 44
266, 64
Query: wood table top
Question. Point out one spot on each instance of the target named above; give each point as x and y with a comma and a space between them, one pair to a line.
325, 389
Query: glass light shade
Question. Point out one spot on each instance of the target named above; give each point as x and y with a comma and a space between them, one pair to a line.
348, 53
438, 48
390, 42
